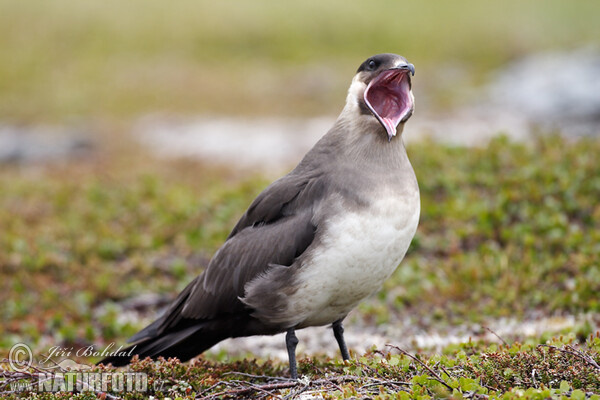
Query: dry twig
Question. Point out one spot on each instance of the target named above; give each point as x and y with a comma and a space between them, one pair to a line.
436, 376
495, 334
269, 387
574, 352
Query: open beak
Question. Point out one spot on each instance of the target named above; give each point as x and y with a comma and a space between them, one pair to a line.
389, 97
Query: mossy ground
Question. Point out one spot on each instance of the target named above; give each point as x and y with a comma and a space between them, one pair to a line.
559, 370
507, 230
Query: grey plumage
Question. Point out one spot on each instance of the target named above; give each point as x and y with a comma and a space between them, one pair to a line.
256, 282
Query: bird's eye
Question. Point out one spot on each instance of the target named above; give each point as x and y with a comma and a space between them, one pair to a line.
371, 65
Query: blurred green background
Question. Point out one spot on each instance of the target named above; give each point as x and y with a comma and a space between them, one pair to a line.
113, 60
507, 230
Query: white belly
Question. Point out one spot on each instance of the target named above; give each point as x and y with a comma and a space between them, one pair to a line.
361, 250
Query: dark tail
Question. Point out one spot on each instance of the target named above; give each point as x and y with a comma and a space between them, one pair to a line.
172, 335
175, 335
184, 344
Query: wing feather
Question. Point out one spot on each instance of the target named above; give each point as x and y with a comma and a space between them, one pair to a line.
276, 229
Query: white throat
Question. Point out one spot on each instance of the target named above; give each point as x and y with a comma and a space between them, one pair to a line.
355, 93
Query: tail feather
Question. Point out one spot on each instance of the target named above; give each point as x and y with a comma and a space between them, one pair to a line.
169, 320
147, 333
173, 335
183, 344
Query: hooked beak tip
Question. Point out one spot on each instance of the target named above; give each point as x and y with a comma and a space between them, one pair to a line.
407, 67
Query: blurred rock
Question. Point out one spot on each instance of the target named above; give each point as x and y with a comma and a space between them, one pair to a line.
254, 143
545, 93
41, 143
556, 91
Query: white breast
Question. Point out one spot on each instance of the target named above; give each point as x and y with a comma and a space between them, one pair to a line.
361, 249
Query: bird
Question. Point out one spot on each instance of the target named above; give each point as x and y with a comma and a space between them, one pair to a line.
316, 241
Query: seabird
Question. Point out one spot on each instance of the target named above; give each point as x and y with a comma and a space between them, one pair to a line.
315, 242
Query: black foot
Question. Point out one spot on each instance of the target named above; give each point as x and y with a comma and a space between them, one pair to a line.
291, 341
338, 332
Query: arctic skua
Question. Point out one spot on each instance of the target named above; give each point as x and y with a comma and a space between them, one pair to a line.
315, 242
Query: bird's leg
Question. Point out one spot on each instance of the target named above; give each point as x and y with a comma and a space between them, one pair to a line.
338, 332
291, 341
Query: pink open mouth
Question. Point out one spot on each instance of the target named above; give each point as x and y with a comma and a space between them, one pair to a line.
388, 97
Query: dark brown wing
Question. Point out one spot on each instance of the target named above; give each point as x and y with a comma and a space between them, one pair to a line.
277, 227
242, 258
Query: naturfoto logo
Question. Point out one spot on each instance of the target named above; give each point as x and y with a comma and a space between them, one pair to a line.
58, 373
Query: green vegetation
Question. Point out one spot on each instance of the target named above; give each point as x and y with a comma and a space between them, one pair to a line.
506, 230
67, 60
556, 371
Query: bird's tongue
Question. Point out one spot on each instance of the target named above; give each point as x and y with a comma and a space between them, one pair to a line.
388, 97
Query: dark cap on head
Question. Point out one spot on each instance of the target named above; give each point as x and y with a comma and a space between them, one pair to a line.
388, 93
